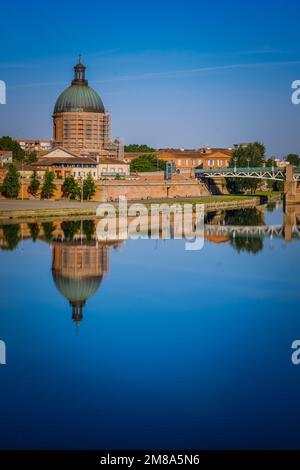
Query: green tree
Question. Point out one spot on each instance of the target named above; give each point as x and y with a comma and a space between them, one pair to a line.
34, 230
49, 186
31, 157
7, 143
293, 159
270, 162
147, 163
89, 187
138, 148
70, 188
11, 184
243, 157
34, 185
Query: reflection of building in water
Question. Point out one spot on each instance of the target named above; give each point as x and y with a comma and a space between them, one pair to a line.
78, 271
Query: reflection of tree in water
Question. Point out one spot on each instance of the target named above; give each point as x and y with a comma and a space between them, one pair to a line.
271, 206
11, 235
88, 228
209, 217
34, 230
70, 228
48, 228
250, 244
248, 216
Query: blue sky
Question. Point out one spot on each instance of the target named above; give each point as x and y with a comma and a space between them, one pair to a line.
182, 74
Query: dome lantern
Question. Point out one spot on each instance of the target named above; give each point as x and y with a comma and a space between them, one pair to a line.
79, 73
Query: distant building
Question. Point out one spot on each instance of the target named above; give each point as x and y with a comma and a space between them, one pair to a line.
37, 146
65, 163
242, 145
6, 156
201, 158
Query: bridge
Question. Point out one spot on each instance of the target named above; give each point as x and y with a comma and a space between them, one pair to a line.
290, 175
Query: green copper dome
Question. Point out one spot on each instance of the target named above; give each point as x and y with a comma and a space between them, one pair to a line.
79, 97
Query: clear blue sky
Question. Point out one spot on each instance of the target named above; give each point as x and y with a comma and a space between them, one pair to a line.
182, 74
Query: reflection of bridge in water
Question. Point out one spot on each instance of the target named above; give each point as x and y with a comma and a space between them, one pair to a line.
251, 231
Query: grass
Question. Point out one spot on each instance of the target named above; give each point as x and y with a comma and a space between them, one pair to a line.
201, 200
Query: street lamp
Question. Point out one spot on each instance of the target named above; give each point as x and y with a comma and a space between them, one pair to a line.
235, 160
81, 189
22, 191
248, 160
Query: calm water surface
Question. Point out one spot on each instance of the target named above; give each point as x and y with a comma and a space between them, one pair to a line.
142, 344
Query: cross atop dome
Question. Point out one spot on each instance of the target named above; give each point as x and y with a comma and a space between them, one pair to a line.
79, 73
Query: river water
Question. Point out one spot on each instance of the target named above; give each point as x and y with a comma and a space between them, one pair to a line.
142, 344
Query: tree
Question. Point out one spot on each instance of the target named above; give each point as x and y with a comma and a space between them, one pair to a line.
34, 185
31, 157
270, 162
147, 163
138, 148
293, 159
11, 183
49, 186
7, 143
89, 187
70, 188
243, 157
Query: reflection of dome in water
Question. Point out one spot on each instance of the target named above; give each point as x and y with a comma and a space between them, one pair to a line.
76, 289
77, 271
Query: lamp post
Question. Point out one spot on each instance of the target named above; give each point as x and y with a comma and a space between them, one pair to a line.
22, 193
81, 189
248, 160
235, 160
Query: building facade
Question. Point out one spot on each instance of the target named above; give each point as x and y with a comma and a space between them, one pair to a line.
186, 160
35, 146
6, 157
65, 163
80, 123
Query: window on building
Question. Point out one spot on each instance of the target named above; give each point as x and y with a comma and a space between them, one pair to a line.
220, 162
179, 162
66, 130
186, 162
193, 162
200, 162
211, 162
88, 130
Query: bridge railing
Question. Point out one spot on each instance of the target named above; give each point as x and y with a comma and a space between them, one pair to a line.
230, 170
